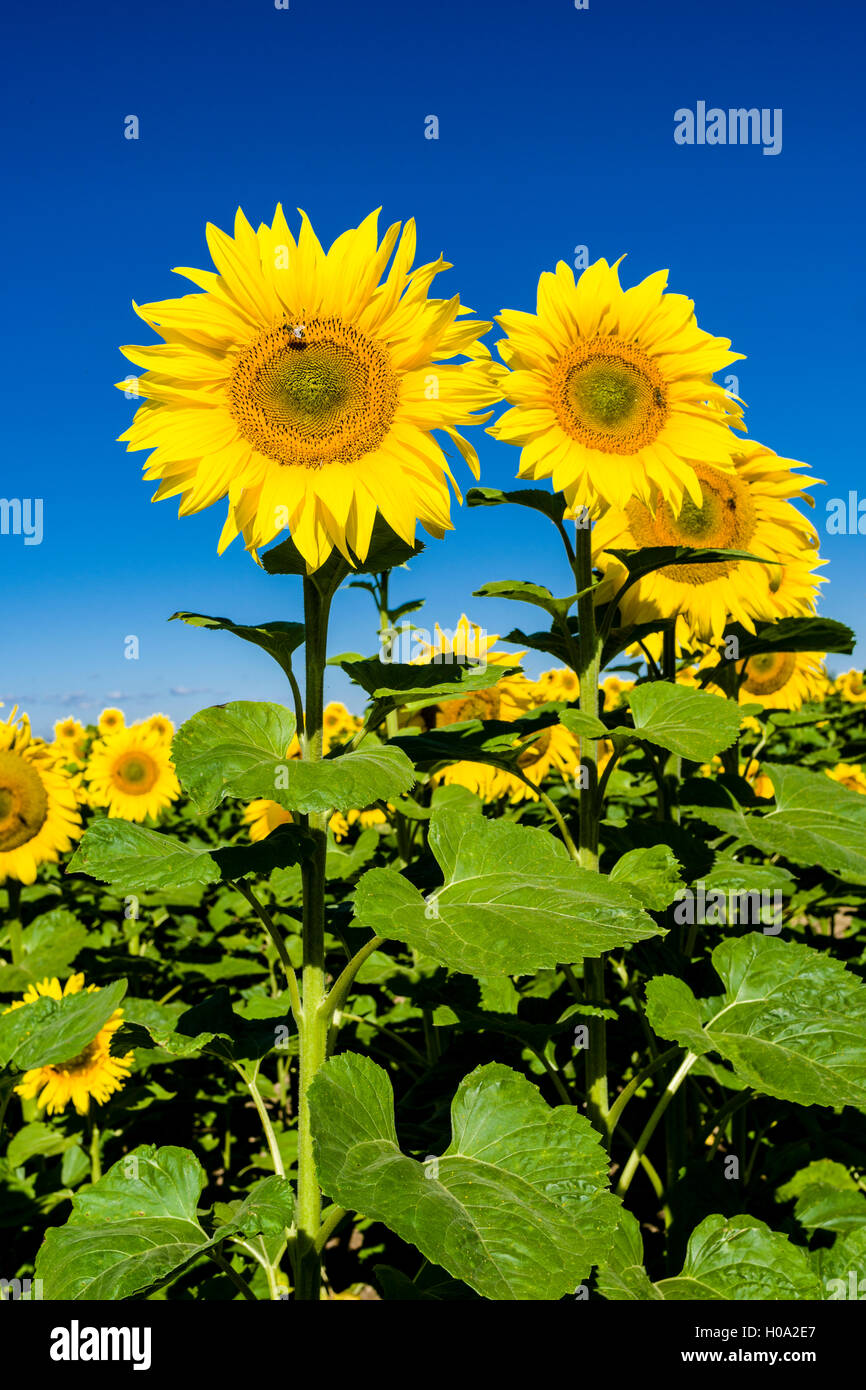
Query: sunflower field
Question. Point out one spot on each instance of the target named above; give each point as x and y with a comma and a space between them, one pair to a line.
491, 987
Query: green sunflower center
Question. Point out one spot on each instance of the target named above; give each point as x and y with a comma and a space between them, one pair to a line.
609, 395
313, 393
23, 801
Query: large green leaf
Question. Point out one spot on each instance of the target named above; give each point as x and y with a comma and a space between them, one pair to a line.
512, 902
49, 1030
792, 1020
736, 1259
517, 1206
129, 1232
278, 639
232, 750
134, 859
812, 634
740, 1259
815, 820
51, 942
688, 722
651, 873
240, 750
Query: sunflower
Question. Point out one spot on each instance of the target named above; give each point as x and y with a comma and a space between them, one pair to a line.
305, 390
612, 390
110, 721
852, 687
783, 680
338, 724
131, 773
744, 509
559, 684
614, 690
851, 775
750, 772
91, 1075
71, 740
160, 725
263, 816
39, 817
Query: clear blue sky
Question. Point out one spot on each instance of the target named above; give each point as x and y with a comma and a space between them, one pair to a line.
556, 130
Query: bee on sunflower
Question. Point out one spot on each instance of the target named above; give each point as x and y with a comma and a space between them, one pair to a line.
304, 387
93, 1074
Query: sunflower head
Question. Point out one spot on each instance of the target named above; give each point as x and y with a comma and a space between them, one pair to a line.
783, 680
93, 1074
131, 774
612, 390
160, 725
747, 508
39, 815
110, 721
263, 816
304, 385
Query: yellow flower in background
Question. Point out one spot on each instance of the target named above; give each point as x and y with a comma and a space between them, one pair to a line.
110, 721
91, 1075
750, 772
614, 689
160, 725
746, 509
783, 680
559, 684
612, 390
131, 773
262, 816
467, 643
39, 817
852, 687
338, 725
850, 775
304, 387
71, 740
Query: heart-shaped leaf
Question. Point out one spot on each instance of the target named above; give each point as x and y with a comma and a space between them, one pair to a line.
792, 1020
517, 1206
688, 722
512, 902
130, 1231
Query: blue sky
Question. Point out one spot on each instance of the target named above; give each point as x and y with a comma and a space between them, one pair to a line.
556, 130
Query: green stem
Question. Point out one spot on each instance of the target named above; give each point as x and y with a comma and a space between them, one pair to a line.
635, 1084
330, 1221
314, 1025
589, 652
339, 991
270, 1136
649, 1128
95, 1164
276, 936
222, 1263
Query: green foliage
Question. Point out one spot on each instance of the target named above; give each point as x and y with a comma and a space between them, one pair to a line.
517, 1206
